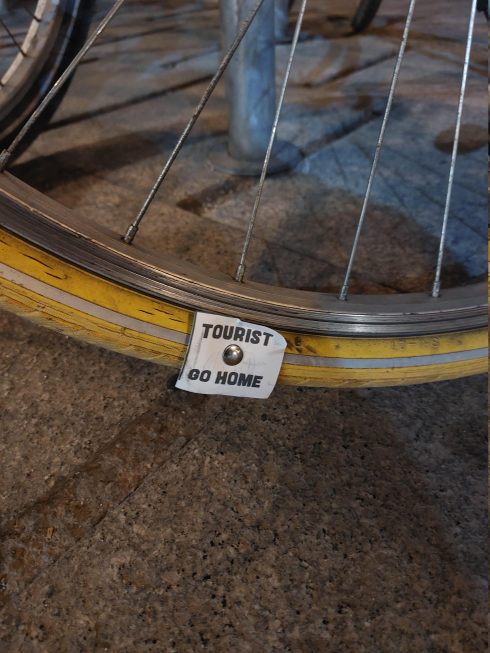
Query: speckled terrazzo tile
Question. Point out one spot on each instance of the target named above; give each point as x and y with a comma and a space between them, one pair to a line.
61, 401
335, 523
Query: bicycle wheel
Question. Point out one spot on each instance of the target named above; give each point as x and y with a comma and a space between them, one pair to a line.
83, 280
39, 39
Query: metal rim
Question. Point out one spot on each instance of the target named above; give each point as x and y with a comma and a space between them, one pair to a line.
40, 220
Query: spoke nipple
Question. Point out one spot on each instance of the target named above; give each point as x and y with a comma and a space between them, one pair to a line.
343, 293
130, 234
436, 290
4, 159
240, 273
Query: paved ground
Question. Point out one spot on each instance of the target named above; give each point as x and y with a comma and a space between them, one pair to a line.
138, 518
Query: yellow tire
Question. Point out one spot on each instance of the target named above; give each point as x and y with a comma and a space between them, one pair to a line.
69, 297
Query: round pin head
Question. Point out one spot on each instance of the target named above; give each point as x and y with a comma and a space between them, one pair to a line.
233, 355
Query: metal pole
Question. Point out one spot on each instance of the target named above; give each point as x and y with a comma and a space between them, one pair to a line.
251, 92
283, 35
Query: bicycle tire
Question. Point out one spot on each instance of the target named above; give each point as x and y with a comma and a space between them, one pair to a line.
72, 24
82, 280
364, 15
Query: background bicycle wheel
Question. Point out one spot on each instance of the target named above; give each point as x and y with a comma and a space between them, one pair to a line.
59, 31
360, 12
138, 517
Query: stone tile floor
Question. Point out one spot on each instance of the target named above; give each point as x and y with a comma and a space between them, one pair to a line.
137, 518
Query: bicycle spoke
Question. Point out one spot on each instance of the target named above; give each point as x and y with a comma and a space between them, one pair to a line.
345, 286
135, 224
58, 85
436, 288
32, 14
240, 272
12, 37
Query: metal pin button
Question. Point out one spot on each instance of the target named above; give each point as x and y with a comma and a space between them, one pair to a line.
233, 355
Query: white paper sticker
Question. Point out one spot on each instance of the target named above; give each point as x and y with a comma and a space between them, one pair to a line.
229, 357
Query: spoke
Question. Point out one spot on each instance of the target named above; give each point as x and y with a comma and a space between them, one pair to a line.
240, 272
135, 224
436, 288
12, 37
31, 14
345, 286
60, 82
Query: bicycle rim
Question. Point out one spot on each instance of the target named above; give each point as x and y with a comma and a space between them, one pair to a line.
82, 280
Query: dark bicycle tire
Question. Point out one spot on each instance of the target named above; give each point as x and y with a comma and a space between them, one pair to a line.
74, 21
364, 14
